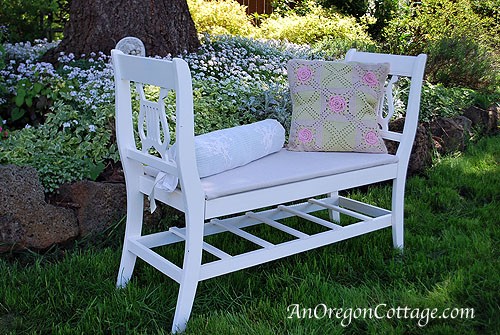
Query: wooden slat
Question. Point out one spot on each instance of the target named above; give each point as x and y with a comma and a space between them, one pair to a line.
163, 265
341, 210
242, 261
244, 234
207, 247
158, 163
362, 207
391, 135
311, 218
277, 225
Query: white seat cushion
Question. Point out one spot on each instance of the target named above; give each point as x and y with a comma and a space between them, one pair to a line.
288, 166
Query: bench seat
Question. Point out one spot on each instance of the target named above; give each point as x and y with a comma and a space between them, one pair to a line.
286, 167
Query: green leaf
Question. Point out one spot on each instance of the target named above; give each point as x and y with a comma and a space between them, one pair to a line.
21, 94
29, 101
17, 113
95, 170
37, 88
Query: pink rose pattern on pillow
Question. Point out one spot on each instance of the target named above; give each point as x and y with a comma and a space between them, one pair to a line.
335, 105
304, 73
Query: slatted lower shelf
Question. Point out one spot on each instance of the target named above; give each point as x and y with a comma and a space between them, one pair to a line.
372, 218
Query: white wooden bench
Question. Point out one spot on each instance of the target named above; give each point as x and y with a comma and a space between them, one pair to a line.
265, 183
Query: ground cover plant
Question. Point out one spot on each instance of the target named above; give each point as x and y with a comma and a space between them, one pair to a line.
63, 125
450, 261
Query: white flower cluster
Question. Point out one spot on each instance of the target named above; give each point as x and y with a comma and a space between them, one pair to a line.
15, 71
87, 86
27, 50
245, 59
92, 85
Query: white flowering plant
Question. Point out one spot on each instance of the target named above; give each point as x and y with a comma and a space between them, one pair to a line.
236, 80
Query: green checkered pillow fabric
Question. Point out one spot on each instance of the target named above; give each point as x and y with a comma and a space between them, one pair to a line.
335, 104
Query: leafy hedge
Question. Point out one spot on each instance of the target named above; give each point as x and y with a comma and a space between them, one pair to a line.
313, 27
220, 17
456, 39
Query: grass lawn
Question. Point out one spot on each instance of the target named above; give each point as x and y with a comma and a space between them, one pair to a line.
451, 260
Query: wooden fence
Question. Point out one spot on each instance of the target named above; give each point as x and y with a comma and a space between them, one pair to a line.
257, 6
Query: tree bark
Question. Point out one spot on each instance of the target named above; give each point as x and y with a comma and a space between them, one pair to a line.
164, 26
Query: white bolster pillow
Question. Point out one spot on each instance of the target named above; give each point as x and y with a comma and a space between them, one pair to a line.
229, 148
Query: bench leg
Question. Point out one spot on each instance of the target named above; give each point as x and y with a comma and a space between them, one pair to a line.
334, 215
190, 271
135, 208
398, 213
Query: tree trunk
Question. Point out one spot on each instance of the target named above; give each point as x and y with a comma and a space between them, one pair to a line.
164, 26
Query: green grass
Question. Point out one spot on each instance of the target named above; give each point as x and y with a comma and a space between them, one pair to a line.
450, 260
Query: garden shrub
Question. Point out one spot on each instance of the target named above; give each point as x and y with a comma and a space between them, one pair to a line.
35, 19
312, 28
415, 27
71, 145
220, 17
299, 7
336, 48
460, 62
438, 100
489, 9
376, 13
434, 26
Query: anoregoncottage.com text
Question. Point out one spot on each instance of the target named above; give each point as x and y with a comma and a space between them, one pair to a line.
381, 311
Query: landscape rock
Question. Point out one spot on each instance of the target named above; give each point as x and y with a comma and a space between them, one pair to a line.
97, 205
451, 133
485, 121
26, 219
421, 153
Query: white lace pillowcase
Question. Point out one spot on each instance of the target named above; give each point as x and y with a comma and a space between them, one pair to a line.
229, 148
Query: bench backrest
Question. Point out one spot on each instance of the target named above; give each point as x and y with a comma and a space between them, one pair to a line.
175, 75
153, 126
411, 67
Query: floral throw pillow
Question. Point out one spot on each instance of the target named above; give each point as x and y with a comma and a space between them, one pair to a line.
335, 104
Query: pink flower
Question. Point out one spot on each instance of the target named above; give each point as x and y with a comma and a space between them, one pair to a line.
370, 79
305, 135
371, 138
304, 73
337, 103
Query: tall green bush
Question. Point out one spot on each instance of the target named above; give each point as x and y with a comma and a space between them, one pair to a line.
356, 8
455, 38
375, 13
489, 9
299, 7
460, 61
416, 26
35, 19
312, 28
220, 17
